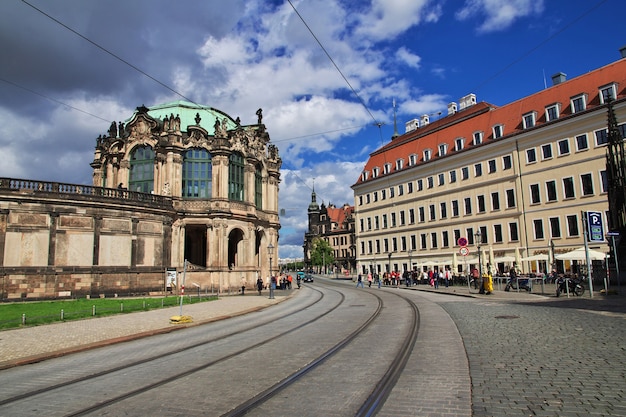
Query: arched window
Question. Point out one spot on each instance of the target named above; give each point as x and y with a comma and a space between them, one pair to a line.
142, 170
236, 177
258, 187
197, 174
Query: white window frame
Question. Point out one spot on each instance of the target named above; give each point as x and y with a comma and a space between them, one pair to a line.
558, 145
498, 131
557, 108
578, 148
529, 119
399, 164
611, 89
428, 153
412, 159
459, 143
387, 168
443, 149
583, 98
477, 137
546, 147
534, 152
375, 172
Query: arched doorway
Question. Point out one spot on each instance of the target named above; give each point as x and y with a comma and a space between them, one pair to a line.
235, 239
195, 244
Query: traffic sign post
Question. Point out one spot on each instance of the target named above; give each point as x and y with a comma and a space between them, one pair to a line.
462, 242
464, 251
594, 222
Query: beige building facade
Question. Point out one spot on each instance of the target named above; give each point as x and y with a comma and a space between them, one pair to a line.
510, 183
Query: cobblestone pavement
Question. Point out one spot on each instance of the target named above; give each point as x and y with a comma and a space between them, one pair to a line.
543, 356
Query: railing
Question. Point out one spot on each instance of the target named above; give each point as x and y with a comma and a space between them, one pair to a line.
13, 184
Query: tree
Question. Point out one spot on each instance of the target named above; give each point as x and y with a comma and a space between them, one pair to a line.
321, 253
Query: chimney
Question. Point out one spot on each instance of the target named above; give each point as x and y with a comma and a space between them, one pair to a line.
622, 51
424, 120
558, 78
452, 108
467, 101
411, 125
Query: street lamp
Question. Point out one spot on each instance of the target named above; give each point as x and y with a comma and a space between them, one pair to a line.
410, 264
270, 252
409, 277
478, 238
389, 266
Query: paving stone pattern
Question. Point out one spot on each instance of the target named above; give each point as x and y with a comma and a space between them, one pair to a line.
543, 360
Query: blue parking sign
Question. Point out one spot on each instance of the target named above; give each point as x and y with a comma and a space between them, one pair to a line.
594, 222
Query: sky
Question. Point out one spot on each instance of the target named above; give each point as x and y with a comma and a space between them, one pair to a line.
326, 73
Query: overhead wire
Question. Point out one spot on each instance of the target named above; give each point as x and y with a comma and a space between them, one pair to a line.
102, 48
51, 99
126, 62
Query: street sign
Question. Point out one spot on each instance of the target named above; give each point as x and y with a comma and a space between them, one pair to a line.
462, 242
464, 251
594, 221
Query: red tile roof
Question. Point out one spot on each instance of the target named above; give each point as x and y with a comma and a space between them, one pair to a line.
339, 215
484, 116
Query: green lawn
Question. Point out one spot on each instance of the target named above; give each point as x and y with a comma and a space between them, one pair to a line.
33, 313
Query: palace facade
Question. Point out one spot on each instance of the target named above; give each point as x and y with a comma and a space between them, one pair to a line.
510, 183
177, 187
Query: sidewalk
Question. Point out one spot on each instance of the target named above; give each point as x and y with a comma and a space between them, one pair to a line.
32, 344
599, 301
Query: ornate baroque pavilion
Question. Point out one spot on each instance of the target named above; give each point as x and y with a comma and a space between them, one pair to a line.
513, 181
176, 182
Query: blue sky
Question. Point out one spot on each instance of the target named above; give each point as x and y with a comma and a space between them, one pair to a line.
58, 91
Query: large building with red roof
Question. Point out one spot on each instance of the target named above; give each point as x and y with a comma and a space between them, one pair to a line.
512, 181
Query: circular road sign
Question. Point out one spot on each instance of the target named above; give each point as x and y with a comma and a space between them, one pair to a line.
464, 251
462, 241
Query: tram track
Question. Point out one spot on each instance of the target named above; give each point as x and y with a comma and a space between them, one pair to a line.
160, 356
381, 390
370, 406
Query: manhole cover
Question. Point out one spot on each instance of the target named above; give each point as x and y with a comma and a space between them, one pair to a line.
507, 317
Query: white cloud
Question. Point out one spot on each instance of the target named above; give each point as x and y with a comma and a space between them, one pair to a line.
499, 14
409, 58
426, 104
389, 18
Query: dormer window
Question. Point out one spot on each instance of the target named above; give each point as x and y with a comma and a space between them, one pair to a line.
387, 168
412, 159
364, 175
428, 153
552, 112
608, 93
375, 172
443, 149
399, 164
497, 131
477, 138
578, 103
529, 120
458, 143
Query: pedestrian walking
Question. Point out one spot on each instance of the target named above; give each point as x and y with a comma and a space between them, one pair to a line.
369, 280
359, 281
272, 286
447, 277
259, 285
